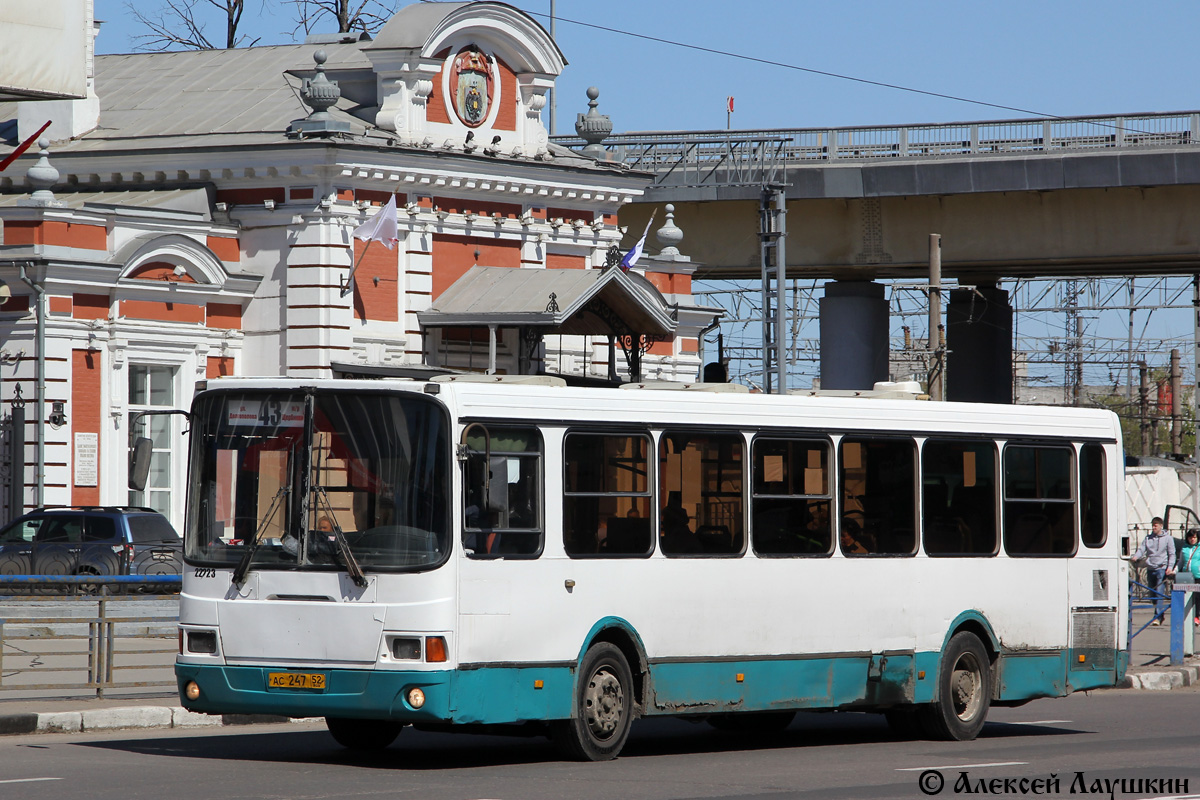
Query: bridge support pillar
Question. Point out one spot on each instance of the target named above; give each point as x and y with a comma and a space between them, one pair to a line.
979, 337
854, 335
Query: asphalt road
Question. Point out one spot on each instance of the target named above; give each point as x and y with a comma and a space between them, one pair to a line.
1107, 735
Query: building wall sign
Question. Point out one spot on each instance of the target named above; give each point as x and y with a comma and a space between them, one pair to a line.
472, 83
87, 457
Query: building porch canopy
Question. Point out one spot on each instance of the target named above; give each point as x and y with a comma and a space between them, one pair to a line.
587, 302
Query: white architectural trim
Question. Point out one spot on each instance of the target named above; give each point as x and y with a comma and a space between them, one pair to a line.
200, 264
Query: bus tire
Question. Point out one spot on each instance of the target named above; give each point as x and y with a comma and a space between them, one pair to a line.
364, 735
603, 707
752, 721
964, 691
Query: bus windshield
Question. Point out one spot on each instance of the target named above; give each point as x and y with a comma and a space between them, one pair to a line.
318, 480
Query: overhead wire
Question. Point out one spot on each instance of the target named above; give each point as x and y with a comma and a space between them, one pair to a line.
825, 73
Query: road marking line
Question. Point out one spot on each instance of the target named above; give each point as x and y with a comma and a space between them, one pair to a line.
1042, 722
965, 766
30, 780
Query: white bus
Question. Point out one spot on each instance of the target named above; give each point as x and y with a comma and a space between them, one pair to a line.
492, 551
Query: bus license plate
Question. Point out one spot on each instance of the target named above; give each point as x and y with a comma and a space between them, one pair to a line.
296, 680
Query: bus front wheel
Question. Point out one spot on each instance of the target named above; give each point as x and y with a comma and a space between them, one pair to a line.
364, 735
603, 707
964, 691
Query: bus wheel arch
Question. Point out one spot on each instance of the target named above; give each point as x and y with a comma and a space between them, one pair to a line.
624, 641
621, 635
974, 623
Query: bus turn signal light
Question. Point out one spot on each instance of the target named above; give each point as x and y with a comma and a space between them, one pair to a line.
435, 648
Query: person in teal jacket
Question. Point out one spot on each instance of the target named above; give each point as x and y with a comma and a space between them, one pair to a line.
1189, 561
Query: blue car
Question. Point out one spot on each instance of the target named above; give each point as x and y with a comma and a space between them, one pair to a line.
92, 540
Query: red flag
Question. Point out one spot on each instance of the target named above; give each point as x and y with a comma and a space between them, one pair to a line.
21, 148
730, 99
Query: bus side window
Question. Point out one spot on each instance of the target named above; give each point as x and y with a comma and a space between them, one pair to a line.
702, 478
606, 495
1092, 486
878, 485
958, 497
506, 518
1039, 506
790, 500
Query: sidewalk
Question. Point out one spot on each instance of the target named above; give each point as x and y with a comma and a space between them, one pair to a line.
1150, 660
1150, 669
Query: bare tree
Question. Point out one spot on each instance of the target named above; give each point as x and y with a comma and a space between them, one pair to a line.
351, 15
177, 24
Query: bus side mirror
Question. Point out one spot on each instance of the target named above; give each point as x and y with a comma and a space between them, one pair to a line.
139, 463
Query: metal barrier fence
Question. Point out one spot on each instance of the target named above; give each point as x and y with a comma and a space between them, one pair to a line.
114, 652
1142, 596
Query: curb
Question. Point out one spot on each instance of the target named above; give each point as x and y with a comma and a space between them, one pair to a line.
108, 719
1162, 680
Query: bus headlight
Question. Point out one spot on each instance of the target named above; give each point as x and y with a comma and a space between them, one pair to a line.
192, 690
416, 697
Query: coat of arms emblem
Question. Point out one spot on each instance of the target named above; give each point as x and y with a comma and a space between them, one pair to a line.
471, 77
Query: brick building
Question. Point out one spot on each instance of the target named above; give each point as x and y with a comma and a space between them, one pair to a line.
193, 218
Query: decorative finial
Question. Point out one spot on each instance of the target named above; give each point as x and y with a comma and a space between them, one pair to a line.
42, 175
320, 94
669, 235
593, 127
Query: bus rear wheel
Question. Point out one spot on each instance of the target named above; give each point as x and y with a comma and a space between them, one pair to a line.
364, 735
603, 707
964, 691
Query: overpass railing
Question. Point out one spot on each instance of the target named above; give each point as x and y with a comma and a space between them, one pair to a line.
681, 158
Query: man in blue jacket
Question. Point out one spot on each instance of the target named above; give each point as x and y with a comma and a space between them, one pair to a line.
1159, 551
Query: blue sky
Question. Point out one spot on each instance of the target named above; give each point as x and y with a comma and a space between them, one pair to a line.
1059, 57
1051, 57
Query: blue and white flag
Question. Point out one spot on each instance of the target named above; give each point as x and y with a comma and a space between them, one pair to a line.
635, 253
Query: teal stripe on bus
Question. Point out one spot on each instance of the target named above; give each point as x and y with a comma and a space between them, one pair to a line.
503, 694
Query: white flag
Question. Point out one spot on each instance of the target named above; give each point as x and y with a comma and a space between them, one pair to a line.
383, 227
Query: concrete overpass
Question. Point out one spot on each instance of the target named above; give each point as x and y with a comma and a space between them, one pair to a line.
1011, 198
1082, 196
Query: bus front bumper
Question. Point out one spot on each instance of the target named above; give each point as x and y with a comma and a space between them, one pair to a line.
365, 694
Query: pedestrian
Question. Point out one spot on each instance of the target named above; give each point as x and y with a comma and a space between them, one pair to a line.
1189, 562
1159, 551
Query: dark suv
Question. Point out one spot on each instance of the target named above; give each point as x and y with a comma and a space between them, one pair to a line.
93, 540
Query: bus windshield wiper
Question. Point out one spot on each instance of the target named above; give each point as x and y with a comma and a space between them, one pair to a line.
343, 547
243, 567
